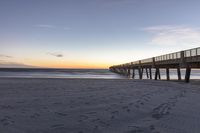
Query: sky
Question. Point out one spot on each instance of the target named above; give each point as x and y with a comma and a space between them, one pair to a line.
94, 33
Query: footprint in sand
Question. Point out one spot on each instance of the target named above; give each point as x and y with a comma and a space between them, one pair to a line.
57, 126
164, 109
115, 112
161, 111
142, 100
95, 120
96, 127
137, 106
107, 109
87, 103
104, 124
125, 107
60, 114
112, 117
57, 103
83, 118
92, 113
153, 129
136, 129
20, 102
130, 104
7, 121
35, 115
6, 107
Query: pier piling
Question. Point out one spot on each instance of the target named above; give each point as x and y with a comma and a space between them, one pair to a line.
187, 74
150, 73
167, 73
133, 74
147, 73
179, 73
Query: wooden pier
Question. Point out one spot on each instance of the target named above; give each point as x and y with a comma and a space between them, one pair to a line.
187, 59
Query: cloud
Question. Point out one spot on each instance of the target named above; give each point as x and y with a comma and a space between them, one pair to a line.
108, 2
6, 64
174, 35
67, 28
56, 54
5, 56
45, 26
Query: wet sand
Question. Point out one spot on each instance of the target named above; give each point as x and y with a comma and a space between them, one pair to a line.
98, 106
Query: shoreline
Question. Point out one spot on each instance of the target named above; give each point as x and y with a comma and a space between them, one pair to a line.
192, 81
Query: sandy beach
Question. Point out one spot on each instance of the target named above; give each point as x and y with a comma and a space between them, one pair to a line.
98, 106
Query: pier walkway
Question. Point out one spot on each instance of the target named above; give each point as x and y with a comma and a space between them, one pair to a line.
187, 59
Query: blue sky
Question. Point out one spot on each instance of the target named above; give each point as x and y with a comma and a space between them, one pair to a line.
94, 33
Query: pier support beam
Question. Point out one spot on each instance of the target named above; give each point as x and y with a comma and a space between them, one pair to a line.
150, 73
187, 74
167, 73
157, 74
129, 72
147, 73
121, 71
133, 74
140, 72
125, 72
179, 73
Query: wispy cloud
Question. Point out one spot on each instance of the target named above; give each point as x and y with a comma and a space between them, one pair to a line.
7, 64
45, 26
5, 56
67, 28
56, 54
118, 2
174, 35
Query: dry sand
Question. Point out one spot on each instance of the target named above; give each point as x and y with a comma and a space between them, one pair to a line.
98, 106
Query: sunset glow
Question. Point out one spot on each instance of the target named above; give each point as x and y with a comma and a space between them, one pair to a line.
94, 34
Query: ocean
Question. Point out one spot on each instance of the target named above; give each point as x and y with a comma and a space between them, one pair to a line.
82, 73
57, 73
